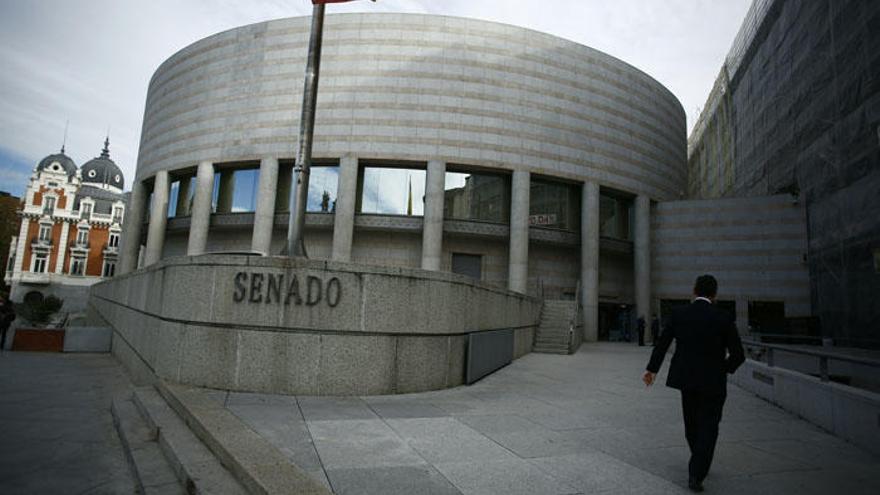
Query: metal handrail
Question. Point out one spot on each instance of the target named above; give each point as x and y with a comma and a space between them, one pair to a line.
824, 357
572, 323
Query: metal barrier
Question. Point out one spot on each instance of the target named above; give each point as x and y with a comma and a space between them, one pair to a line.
823, 356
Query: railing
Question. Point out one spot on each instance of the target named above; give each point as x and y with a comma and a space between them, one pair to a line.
572, 323
36, 241
823, 356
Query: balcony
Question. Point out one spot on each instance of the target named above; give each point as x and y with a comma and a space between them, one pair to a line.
111, 250
34, 278
79, 246
41, 242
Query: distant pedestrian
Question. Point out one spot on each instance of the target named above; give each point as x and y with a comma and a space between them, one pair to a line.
640, 328
7, 315
655, 330
707, 349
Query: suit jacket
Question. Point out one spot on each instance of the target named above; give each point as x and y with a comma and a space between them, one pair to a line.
707, 348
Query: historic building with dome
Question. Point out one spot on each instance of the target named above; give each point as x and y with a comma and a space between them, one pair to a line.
71, 224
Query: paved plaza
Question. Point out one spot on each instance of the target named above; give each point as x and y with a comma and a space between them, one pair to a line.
550, 424
56, 431
547, 424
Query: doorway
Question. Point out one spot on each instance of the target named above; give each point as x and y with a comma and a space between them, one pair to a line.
615, 322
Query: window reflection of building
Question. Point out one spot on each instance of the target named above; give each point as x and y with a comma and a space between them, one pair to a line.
180, 197
322, 188
615, 217
482, 197
392, 191
555, 205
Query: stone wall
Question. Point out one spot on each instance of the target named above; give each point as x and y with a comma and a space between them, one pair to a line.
755, 247
245, 323
417, 88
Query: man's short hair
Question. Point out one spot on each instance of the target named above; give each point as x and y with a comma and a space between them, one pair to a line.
705, 286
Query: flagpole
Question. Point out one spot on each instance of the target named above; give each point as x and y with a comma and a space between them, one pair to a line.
299, 194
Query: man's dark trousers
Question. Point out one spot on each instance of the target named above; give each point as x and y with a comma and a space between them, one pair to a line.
702, 413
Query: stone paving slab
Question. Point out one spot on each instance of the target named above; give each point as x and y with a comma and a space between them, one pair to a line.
56, 430
551, 424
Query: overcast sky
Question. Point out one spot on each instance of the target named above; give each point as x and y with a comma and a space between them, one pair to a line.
89, 61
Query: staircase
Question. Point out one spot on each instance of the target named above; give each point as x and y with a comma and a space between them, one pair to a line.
553, 336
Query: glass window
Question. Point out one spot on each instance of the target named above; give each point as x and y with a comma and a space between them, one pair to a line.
235, 191
480, 197
615, 217
555, 205
82, 237
172, 199
323, 182
109, 269
86, 212
39, 263
393, 191
45, 232
114, 241
48, 205
77, 265
117, 214
322, 189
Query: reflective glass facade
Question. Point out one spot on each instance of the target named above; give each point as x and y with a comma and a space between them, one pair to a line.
392, 191
322, 189
235, 191
180, 197
615, 217
555, 205
481, 197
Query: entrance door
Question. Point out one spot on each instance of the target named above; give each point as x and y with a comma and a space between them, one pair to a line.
615, 322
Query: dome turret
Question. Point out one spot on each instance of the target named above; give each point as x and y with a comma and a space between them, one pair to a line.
103, 172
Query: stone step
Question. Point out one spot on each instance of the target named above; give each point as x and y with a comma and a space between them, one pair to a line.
558, 304
193, 463
552, 339
553, 331
150, 470
550, 350
255, 463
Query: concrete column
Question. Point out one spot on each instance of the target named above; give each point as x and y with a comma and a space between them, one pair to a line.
131, 232
264, 217
590, 260
225, 193
518, 271
158, 219
343, 220
62, 248
183, 207
200, 217
642, 258
20, 245
432, 229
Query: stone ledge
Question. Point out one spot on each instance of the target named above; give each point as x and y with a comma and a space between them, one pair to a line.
256, 463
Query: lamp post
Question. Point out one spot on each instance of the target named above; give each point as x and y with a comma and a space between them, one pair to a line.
299, 194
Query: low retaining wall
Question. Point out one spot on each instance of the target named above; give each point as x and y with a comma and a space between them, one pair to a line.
278, 325
847, 412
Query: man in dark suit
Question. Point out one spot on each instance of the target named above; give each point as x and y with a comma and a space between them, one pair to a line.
707, 349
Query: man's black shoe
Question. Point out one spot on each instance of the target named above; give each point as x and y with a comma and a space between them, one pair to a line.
695, 486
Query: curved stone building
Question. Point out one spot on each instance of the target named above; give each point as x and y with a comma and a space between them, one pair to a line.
441, 143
